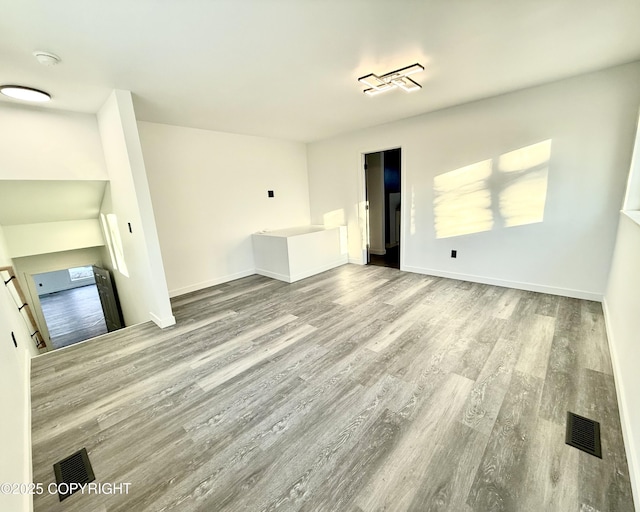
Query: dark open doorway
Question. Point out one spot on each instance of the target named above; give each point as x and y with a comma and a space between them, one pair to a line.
383, 196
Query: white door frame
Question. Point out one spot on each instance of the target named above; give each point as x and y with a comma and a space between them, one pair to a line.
362, 197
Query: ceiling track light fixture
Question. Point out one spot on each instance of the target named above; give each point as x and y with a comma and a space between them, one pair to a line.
20, 92
394, 79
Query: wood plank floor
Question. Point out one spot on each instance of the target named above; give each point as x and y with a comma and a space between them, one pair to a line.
73, 315
360, 389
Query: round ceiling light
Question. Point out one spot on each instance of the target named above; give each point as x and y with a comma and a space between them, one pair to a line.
20, 92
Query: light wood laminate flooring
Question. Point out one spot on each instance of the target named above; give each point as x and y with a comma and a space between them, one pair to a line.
73, 315
360, 389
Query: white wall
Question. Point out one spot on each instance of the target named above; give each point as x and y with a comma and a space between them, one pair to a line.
5, 259
15, 404
622, 305
590, 122
209, 192
57, 261
49, 237
376, 198
143, 294
58, 281
45, 144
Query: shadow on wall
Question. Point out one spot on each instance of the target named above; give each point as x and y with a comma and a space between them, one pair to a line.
486, 195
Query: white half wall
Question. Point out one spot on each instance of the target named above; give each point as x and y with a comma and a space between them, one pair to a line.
622, 308
143, 292
483, 159
209, 192
46, 144
297, 253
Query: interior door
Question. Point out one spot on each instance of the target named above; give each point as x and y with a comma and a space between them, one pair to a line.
108, 299
374, 204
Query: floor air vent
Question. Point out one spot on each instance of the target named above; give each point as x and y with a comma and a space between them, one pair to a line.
75, 469
583, 434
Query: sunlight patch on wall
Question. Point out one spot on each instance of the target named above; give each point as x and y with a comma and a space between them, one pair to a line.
107, 238
489, 195
363, 219
116, 244
524, 195
334, 218
462, 203
80, 273
344, 241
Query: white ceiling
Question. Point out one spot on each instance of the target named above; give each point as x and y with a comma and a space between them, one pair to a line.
31, 202
288, 68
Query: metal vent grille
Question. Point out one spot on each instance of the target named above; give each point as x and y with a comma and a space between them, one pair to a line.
584, 434
75, 469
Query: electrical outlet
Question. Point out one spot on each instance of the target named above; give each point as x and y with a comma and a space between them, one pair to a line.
270, 193
454, 253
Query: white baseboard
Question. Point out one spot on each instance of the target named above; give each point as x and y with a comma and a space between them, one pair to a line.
211, 282
356, 261
621, 394
273, 275
163, 322
532, 287
303, 275
378, 252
